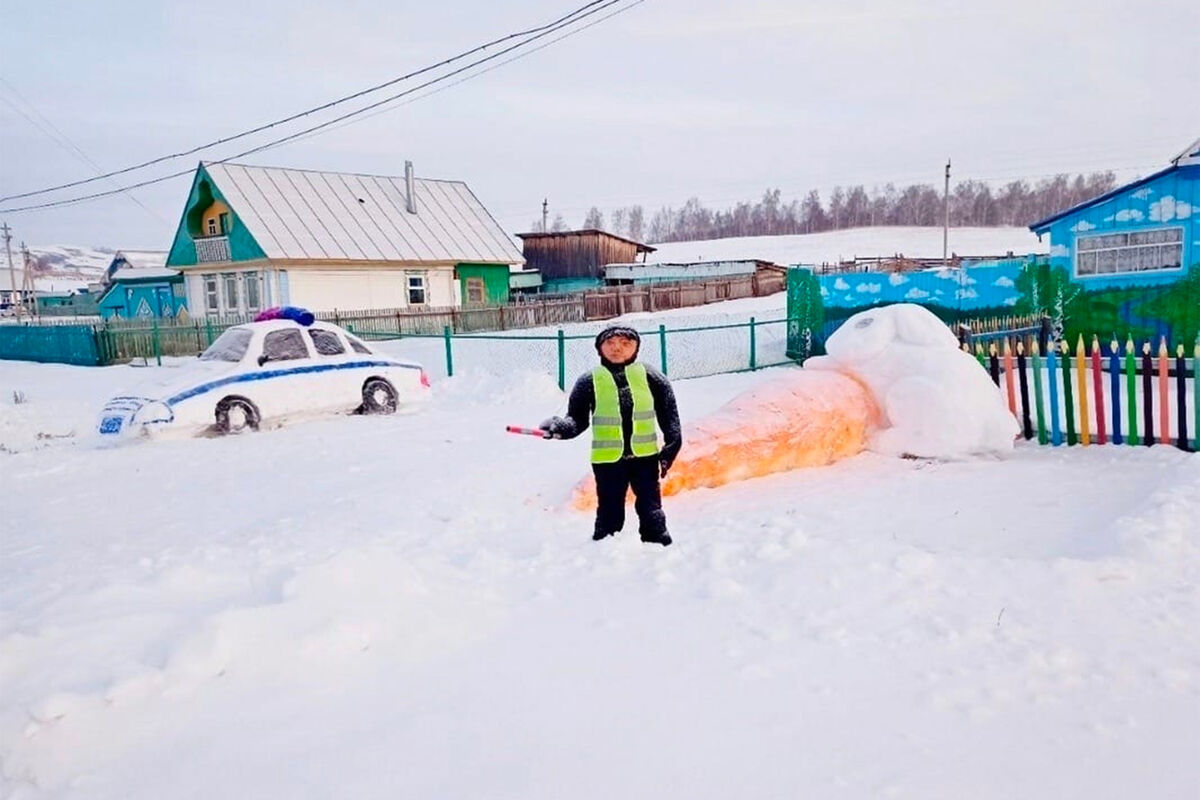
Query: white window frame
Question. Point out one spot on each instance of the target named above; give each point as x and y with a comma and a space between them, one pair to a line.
212, 300
212, 229
1126, 250
231, 279
252, 278
423, 288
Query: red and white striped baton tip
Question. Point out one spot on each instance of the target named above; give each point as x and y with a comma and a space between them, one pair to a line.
538, 432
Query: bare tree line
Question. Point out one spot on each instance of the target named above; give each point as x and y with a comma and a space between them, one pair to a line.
972, 203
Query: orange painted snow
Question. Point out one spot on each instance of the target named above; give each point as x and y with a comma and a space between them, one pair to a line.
804, 418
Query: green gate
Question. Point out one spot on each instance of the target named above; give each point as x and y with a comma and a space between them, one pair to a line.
805, 312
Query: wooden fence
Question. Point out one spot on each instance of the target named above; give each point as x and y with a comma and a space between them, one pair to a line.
1092, 397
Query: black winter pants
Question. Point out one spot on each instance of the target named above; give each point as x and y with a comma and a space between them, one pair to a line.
613, 482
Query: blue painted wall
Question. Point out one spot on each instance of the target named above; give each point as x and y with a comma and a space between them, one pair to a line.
144, 300
987, 285
1171, 200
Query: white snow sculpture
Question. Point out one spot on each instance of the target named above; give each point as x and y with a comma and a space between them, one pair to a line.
934, 399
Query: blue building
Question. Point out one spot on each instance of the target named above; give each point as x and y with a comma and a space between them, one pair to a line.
137, 284
1146, 232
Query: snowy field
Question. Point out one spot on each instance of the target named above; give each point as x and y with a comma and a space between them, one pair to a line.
402, 607
833, 246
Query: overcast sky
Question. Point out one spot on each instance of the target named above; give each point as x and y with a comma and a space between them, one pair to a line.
671, 99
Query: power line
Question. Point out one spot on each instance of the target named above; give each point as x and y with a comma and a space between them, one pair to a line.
565, 19
59, 138
358, 112
474, 75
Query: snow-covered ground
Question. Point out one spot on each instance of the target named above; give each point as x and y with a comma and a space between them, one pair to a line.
402, 607
833, 246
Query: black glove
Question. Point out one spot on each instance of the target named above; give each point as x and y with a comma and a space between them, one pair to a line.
555, 426
664, 466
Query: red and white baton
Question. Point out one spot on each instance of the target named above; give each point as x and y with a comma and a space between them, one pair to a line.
538, 432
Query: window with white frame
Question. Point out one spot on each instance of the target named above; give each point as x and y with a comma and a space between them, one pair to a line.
1123, 253
417, 294
230, 282
253, 292
212, 301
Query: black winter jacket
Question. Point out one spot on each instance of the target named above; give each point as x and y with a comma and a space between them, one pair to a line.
583, 403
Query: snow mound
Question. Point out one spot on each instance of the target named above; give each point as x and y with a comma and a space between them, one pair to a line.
935, 400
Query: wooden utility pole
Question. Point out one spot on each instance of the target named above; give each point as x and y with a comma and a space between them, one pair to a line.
545, 215
946, 224
12, 275
27, 282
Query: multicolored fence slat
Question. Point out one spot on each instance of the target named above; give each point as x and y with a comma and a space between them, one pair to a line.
1067, 399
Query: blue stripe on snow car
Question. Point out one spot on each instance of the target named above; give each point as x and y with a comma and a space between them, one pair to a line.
278, 373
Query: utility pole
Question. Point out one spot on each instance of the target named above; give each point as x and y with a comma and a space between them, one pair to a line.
12, 275
545, 215
946, 224
27, 283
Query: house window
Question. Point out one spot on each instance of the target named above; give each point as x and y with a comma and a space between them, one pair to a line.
1124, 253
416, 290
212, 226
212, 303
230, 280
253, 292
223, 223
475, 291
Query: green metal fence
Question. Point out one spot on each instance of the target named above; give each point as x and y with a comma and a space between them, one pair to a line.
680, 352
62, 344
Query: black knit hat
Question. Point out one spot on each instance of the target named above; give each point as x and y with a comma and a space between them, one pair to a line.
617, 330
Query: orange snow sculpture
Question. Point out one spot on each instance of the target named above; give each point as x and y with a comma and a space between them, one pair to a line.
804, 418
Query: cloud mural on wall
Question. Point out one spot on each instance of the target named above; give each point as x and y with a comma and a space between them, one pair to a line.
896, 279
1082, 225
1011, 301
1004, 282
916, 294
1142, 194
1059, 251
869, 288
965, 294
1168, 209
841, 285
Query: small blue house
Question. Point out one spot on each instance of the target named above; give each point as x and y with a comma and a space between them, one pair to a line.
140, 287
1144, 232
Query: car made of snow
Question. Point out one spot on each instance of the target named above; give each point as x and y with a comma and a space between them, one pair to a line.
266, 372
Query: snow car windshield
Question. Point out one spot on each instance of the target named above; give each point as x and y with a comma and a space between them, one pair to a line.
229, 346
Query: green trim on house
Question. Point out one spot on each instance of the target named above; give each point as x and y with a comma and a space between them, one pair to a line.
242, 245
495, 282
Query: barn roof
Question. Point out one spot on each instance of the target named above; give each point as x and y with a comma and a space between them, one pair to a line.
642, 248
308, 215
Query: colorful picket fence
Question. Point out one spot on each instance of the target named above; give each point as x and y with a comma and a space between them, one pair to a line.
1092, 397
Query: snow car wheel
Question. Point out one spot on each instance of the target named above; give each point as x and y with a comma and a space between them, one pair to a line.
378, 397
236, 414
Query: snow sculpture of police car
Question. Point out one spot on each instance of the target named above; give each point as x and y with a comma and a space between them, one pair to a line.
283, 364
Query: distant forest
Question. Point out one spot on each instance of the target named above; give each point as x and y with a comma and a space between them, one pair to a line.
972, 203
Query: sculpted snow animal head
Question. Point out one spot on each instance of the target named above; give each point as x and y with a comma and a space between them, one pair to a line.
869, 334
934, 399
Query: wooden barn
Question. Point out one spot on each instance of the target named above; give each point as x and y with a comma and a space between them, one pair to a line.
576, 259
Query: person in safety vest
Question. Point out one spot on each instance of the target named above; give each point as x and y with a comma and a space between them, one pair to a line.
628, 405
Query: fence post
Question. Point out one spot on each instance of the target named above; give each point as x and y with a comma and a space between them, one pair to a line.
155, 342
753, 360
208, 329
449, 352
662, 345
562, 361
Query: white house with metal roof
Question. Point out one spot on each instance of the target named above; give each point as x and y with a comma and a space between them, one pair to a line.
255, 237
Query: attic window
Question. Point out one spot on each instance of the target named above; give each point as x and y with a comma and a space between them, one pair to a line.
212, 226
